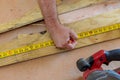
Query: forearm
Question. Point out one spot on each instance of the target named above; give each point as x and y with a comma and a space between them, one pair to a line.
49, 12
60, 34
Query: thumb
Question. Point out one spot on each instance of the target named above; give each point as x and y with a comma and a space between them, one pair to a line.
73, 35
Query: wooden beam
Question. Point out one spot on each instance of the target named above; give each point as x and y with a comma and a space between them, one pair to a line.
22, 12
90, 11
79, 26
66, 18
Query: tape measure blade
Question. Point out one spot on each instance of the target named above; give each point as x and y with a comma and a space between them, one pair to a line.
51, 43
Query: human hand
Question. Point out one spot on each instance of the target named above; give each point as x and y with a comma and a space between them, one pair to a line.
63, 37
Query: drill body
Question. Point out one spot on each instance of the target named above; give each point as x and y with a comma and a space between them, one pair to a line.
92, 65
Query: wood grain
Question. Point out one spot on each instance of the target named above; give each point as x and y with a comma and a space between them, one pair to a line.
79, 26
17, 13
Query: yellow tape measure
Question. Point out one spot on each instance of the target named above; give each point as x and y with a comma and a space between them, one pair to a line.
50, 43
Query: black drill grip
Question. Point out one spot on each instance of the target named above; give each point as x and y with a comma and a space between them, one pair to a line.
113, 55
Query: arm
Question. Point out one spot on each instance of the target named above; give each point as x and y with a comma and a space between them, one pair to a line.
60, 34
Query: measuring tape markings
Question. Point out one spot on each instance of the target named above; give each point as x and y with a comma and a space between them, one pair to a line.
98, 31
51, 43
25, 49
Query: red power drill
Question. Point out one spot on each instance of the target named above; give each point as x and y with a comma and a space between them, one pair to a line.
92, 66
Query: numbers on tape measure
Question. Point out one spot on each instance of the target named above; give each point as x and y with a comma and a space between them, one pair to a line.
51, 43
98, 31
26, 49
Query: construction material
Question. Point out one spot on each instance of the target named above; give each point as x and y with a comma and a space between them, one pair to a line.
22, 12
105, 19
41, 45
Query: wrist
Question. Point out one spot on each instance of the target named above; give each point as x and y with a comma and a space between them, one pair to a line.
52, 26
51, 21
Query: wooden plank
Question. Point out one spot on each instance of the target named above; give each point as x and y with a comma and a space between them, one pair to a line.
89, 11
79, 26
64, 18
56, 67
22, 12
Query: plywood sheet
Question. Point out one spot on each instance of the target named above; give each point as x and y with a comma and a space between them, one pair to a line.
79, 26
56, 67
17, 13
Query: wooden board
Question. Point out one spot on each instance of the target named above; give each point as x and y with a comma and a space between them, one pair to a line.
56, 67
90, 11
66, 18
17, 13
79, 26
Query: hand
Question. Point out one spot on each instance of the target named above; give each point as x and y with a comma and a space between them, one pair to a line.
63, 37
